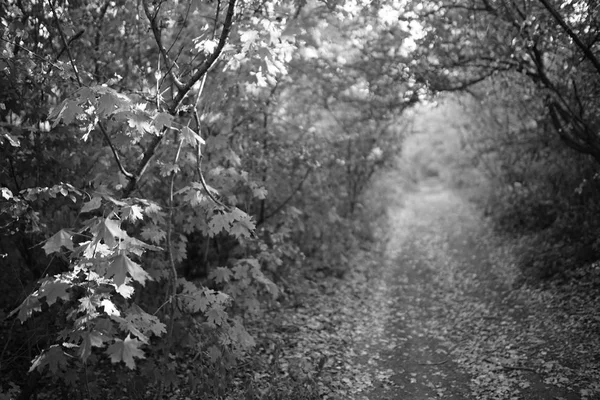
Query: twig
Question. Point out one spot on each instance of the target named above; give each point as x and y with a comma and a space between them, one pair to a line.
288, 199
203, 182
171, 297
58, 67
585, 49
128, 174
200, 72
65, 42
199, 127
205, 66
161, 48
71, 40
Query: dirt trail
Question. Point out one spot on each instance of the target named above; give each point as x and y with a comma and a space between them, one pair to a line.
444, 320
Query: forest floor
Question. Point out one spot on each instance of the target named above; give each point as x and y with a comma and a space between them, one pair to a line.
449, 318
442, 313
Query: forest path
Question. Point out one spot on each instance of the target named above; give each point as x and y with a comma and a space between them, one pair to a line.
444, 319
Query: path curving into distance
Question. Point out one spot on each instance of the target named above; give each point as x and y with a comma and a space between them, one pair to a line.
446, 320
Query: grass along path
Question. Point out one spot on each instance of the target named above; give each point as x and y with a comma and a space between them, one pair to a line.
445, 318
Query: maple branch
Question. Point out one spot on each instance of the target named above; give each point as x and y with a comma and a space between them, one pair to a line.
158, 39
202, 70
586, 51
65, 42
183, 25
203, 181
206, 64
128, 174
173, 289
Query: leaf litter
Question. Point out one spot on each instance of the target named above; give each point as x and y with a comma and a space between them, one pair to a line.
439, 313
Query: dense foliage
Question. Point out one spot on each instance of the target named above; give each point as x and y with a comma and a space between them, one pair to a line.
167, 168
172, 171
532, 74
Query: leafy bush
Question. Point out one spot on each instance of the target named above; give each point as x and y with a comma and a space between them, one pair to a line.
537, 190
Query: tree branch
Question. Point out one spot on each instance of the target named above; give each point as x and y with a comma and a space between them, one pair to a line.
161, 48
206, 64
202, 70
588, 53
42, 58
65, 42
129, 175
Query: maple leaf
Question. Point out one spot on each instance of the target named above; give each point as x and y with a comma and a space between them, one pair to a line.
260, 193
121, 266
125, 350
108, 230
162, 120
241, 270
54, 357
70, 111
109, 307
27, 307
219, 222
88, 304
153, 233
85, 94
130, 325
144, 321
201, 303
216, 316
133, 213
91, 339
136, 246
248, 38
242, 225
221, 274
58, 240
125, 290
138, 120
191, 137
108, 103
93, 204
194, 300
240, 230
53, 289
